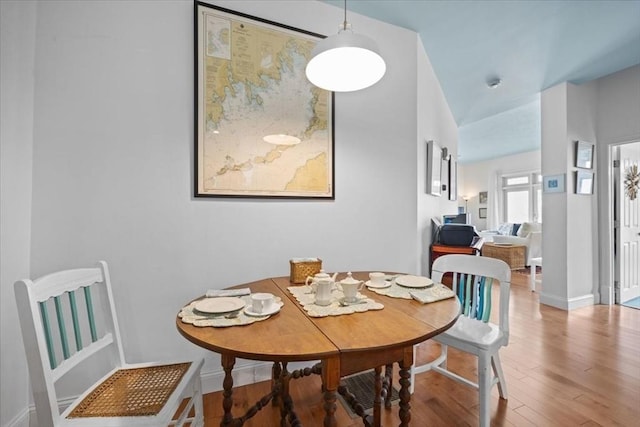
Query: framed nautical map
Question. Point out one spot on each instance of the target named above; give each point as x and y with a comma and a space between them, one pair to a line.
262, 129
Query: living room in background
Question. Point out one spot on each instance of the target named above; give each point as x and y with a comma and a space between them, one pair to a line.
522, 197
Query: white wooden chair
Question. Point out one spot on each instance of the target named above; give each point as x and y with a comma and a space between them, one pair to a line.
473, 277
68, 317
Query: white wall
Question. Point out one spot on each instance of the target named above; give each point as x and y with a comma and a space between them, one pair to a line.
582, 260
618, 111
112, 167
18, 22
604, 112
569, 222
475, 177
436, 123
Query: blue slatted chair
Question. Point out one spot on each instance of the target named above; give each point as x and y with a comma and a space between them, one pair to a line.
67, 318
474, 279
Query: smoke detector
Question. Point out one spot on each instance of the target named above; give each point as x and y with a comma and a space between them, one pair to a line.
494, 83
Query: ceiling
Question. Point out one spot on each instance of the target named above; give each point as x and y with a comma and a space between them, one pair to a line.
529, 45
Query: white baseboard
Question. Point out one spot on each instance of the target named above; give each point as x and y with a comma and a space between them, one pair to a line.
567, 304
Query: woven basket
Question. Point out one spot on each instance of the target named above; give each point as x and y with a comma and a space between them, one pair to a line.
514, 255
302, 269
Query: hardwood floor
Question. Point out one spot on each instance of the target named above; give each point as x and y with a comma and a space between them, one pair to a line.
562, 369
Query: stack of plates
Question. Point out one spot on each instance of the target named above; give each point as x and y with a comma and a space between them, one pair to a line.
415, 282
219, 305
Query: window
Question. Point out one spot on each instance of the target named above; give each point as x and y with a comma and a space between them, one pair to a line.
522, 197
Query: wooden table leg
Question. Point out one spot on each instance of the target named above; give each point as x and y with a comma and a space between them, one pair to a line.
331, 381
377, 399
285, 404
276, 370
227, 384
388, 385
405, 384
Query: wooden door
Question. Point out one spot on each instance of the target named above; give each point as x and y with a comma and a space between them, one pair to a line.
628, 229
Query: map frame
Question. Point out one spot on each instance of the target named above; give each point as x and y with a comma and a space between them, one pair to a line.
234, 161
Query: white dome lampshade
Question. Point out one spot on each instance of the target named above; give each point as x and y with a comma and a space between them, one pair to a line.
345, 62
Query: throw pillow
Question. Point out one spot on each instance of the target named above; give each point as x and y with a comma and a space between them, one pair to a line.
504, 229
525, 229
515, 229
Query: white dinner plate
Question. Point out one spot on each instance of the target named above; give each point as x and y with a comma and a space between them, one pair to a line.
409, 281
386, 284
219, 305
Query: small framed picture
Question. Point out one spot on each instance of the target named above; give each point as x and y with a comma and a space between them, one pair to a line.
453, 179
584, 155
434, 164
553, 184
584, 182
482, 212
482, 197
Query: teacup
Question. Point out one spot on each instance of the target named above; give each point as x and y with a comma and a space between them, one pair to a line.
377, 278
350, 290
262, 302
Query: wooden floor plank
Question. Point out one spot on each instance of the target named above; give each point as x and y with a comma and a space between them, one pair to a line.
562, 368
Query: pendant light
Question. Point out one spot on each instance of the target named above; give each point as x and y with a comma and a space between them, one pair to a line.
345, 62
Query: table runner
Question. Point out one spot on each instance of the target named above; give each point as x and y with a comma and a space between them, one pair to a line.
306, 299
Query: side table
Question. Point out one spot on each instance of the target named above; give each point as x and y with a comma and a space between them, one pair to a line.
438, 250
509, 253
535, 263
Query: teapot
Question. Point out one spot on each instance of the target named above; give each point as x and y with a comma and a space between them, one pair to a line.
317, 277
324, 287
350, 287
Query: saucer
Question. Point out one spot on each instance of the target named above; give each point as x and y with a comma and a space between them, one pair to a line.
273, 310
386, 284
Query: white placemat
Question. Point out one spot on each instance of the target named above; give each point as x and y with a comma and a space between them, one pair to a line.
306, 299
433, 293
187, 315
394, 291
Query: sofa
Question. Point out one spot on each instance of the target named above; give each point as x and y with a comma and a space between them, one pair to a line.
528, 234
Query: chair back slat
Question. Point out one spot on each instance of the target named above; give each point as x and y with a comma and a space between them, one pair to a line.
473, 277
90, 315
486, 300
475, 299
467, 293
44, 314
74, 317
474, 293
64, 343
477, 314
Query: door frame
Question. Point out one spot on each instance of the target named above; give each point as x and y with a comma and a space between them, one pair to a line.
607, 225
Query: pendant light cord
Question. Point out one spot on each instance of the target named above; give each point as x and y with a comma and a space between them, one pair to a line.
345, 15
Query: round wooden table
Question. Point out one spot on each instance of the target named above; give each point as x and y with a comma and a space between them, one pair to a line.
344, 345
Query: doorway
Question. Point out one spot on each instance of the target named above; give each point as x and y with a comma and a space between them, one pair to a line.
626, 222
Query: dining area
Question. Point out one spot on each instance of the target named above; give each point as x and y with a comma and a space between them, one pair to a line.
100, 150
315, 322
397, 330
